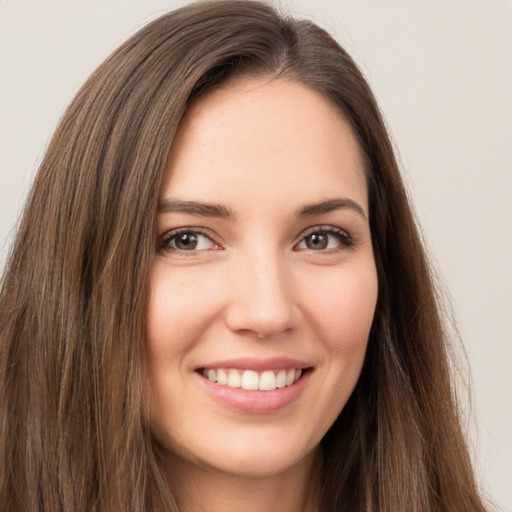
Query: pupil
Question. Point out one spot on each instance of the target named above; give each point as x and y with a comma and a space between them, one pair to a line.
317, 241
186, 241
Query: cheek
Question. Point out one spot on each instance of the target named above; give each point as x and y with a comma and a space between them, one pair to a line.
341, 305
182, 304
340, 309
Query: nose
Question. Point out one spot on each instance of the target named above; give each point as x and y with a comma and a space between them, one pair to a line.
262, 299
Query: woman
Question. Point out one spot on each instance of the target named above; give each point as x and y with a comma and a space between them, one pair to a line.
218, 297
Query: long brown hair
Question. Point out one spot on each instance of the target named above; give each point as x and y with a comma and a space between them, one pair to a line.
73, 304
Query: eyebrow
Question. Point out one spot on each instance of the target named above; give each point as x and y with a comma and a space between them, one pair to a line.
195, 208
202, 209
329, 206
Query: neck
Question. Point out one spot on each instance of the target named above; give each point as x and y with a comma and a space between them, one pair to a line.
203, 489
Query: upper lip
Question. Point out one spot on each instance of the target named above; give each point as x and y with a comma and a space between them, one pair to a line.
246, 363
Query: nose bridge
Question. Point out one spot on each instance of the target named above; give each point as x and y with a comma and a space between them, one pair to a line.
262, 298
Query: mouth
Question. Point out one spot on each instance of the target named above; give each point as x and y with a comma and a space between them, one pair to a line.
252, 380
255, 386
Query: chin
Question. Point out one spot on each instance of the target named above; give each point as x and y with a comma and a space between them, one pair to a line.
246, 454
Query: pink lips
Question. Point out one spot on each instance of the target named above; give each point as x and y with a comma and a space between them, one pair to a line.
256, 401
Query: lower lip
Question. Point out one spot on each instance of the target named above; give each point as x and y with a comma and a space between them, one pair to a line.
256, 402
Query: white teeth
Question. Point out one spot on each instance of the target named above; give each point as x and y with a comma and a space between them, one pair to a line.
234, 379
267, 381
222, 376
250, 380
281, 379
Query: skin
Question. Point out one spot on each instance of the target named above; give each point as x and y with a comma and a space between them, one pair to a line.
261, 150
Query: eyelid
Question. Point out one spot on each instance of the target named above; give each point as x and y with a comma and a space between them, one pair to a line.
326, 228
345, 238
165, 237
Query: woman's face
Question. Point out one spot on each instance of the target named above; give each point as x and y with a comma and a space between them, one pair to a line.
264, 271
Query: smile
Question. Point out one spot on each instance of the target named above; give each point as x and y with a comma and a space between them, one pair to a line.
251, 380
255, 386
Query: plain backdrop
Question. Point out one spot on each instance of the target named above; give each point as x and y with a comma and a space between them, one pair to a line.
442, 72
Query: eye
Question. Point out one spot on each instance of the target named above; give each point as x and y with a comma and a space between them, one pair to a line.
325, 239
187, 240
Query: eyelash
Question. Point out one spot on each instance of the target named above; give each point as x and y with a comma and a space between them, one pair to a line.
168, 238
344, 239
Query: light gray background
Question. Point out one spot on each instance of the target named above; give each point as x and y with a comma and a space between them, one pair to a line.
442, 71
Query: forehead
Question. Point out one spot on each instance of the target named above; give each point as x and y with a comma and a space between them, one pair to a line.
260, 137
